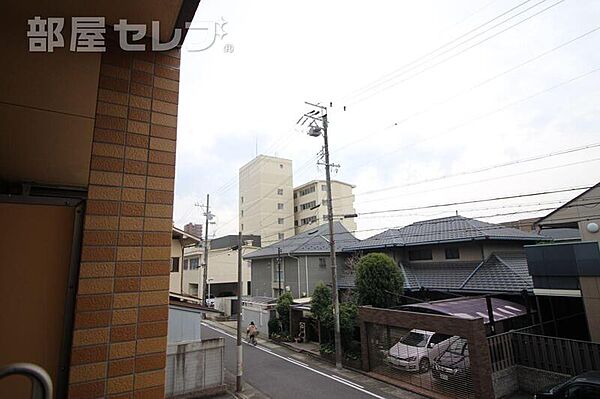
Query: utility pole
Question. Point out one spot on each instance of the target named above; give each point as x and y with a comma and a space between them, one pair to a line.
238, 380
316, 131
205, 276
279, 269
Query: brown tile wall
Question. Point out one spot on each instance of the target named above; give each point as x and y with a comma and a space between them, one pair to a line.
119, 344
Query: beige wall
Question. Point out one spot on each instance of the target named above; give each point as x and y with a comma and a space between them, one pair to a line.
469, 252
175, 277
258, 184
343, 204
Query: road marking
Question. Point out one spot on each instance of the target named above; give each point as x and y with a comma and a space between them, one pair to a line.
300, 364
346, 381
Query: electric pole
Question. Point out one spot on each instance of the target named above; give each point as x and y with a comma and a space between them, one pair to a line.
205, 276
279, 269
315, 131
238, 379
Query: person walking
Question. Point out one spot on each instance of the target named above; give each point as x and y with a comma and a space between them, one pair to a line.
252, 332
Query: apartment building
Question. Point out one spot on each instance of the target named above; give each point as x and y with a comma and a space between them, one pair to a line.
310, 204
266, 198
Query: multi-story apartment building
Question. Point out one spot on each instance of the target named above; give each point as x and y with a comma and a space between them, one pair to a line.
310, 204
266, 198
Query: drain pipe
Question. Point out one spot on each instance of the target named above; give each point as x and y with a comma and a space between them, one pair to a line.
298, 266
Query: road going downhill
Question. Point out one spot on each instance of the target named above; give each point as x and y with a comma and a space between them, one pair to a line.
276, 374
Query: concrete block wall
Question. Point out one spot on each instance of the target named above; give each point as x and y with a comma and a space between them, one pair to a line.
120, 333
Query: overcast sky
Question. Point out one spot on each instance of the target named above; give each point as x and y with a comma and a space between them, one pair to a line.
483, 100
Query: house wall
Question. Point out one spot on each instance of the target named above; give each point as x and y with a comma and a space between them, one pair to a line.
175, 277
295, 272
120, 339
258, 184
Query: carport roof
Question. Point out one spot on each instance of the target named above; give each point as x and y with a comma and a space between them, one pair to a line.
470, 308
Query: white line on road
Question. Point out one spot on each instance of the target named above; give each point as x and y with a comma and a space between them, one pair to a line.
300, 364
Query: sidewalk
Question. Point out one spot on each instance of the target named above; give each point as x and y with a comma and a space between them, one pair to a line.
314, 360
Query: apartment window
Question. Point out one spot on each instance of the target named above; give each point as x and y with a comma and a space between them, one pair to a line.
322, 262
242, 213
295, 195
295, 209
308, 205
193, 289
280, 206
185, 264
307, 190
194, 263
296, 223
308, 220
242, 199
452, 253
323, 187
242, 226
279, 220
280, 166
280, 191
249, 288
174, 265
420, 254
280, 236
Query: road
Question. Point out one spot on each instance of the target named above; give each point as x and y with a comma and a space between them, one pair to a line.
275, 373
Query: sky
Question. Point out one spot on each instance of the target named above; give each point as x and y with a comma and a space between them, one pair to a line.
445, 102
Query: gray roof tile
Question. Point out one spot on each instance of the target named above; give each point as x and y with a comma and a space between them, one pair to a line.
449, 229
444, 276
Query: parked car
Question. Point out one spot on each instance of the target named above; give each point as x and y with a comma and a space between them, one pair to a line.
414, 351
453, 364
583, 386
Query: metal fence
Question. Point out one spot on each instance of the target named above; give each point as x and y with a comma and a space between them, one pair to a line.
195, 367
559, 355
431, 361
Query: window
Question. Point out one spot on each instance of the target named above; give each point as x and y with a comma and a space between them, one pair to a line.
194, 263
324, 202
308, 220
242, 199
296, 223
280, 206
279, 220
280, 191
185, 264
242, 226
249, 288
174, 265
242, 213
280, 236
295, 195
322, 262
307, 190
280, 166
308, 205
323, 187
420, 254
277, 274
452, 253
193, 289
295, 209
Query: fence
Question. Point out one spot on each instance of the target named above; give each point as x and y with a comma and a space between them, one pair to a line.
559, 355
195, 368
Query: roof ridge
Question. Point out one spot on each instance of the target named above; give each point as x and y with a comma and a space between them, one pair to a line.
472, 273
511, 269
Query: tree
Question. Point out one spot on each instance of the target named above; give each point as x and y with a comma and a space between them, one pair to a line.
348, 323
320, 305
283, 310
378, 281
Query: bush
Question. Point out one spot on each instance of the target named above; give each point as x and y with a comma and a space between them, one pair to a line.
274, 327
378, 281
283, 310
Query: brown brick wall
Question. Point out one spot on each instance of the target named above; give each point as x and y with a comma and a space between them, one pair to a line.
119, 343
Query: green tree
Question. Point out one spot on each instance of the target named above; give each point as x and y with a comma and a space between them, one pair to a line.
378, 281
320, 306
283, 310
348, 323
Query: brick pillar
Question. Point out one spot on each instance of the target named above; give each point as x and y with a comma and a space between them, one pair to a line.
119, 343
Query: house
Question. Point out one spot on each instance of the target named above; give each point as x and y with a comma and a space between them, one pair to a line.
456, 254
183, 275
297, 264
222, 277
87, 161
566, 274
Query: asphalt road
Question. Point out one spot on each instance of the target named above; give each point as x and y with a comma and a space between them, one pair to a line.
277, 375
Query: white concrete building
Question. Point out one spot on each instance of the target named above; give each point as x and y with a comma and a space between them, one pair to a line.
266, 198
310, 204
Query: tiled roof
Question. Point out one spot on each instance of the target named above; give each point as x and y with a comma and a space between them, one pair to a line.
449, 229
310, 242
444, 276
500, 272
